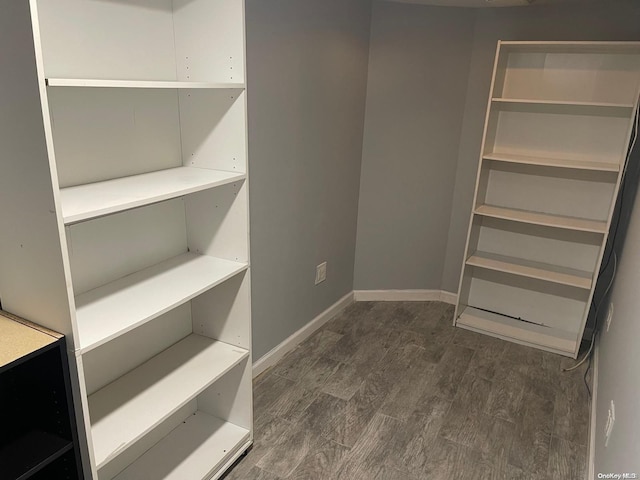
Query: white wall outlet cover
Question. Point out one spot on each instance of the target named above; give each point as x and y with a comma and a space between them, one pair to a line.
321, 273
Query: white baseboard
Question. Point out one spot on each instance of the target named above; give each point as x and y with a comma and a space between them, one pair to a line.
448, 297
276, 353
404, 296
591, 474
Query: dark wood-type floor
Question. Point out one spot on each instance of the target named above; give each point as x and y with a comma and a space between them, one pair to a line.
391, 390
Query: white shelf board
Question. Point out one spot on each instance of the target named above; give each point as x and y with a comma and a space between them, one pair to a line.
526, 101
571, 47
553, 162
105, 83
552, 339
194, 450
84, 202
113, 309
544, 219
531, 269
128, 408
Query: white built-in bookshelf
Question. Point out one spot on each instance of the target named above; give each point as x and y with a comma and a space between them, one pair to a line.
129, 221
559, 121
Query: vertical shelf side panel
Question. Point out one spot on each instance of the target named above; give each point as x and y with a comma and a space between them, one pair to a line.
231, 398
31, 244
209, 40
224, 233
224, 312
481, 181
83, 420
213, 129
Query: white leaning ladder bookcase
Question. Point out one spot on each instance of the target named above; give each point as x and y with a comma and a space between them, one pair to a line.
556, 136
125, 221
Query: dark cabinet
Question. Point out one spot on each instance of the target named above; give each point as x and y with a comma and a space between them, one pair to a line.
38, 435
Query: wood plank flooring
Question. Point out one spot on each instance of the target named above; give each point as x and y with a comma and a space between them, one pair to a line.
391, 390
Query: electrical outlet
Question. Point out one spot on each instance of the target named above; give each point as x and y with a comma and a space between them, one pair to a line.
609, 315
611, 419
321, 273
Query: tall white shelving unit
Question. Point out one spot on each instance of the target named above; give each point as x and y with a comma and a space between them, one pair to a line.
557, 129
125, 219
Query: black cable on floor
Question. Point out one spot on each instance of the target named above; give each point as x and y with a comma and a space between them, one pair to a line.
586, 372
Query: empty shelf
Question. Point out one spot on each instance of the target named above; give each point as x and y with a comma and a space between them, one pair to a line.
104, 83
544, 219
552, 339
553, 162
117, 307
128, 408
30, 453
195, 449
526, 101
93, 200
531, 269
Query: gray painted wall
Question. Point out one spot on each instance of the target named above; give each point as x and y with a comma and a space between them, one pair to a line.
610, 21
418, 66
619, 356
428, 74
307, 71
429, 77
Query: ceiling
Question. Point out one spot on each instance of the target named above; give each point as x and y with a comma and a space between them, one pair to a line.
491, 3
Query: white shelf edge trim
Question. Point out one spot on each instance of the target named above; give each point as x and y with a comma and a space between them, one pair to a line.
204, 440
530, 269
107, 312
527, 333
552, 162
130, 407
85, 202
542, 219
100, 83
